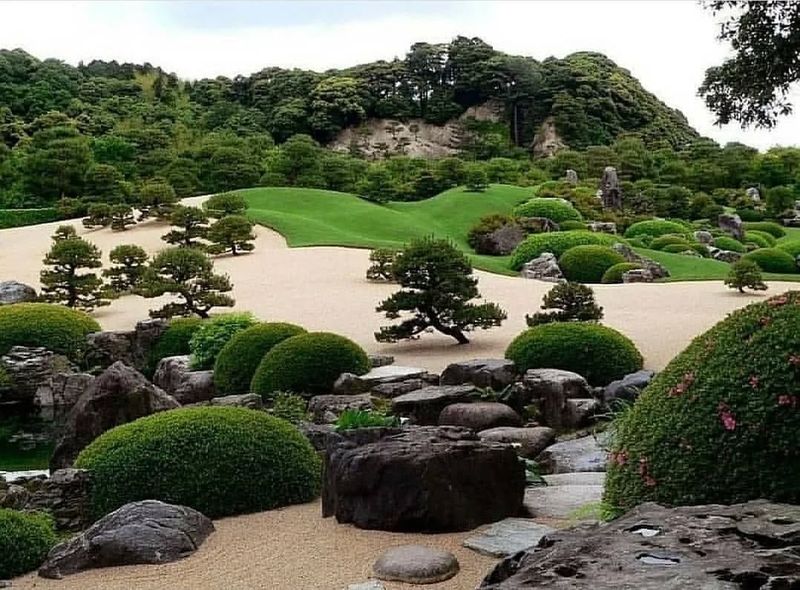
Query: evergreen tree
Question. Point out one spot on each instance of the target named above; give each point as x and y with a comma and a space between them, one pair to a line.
98, 215
129, 266
63, 282
191, 223
570, 302
156, 199
121, 217
231, 234
745, 274
225, 204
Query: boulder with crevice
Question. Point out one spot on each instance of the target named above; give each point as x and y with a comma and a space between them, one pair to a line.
496, 374
543, 268
424, 405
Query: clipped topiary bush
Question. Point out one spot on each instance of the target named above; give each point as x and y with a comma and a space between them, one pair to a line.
766, 237
753, 240
727, 243
770, 227
558, 210
220, 461
173, 342
666, 240
570, 225
720, 423
240, 357
308, 364
655, 228
557, 242
678, 248
773, 260
792, 248
55, 327
599, 353
614, 274
25, 540
213, 334
587, 264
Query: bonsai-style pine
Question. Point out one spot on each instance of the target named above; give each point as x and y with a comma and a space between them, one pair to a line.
745, 274
129, 266
121, 217
191, 223
188, 274
437, 289
98, 215
231, 234
156, 199
382, 260
225, 204
63, 282
568, 302
64, 232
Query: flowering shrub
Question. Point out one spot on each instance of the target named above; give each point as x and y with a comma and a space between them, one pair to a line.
720, 424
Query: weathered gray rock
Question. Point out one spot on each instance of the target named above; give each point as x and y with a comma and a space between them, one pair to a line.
63, 390
479, 415
392, 390
422, 479
494, 373
637, 275
571, 176
145, 532
380, 360
732, 224
66, 496
244, 400
605, 227
543, 268
415, 564
174, 375
170, 371
349, 384
424, 405
317, 434
610, 192
657, 270
550, 389
14, 496
130, 347
370, 585
501, 241
704, 237
16, 292
119, 395
30, 368
753, 194
528, 442
752, 545
580, 454
537, 225
629, 387
326, 409
728, 256
507, 537
565, 496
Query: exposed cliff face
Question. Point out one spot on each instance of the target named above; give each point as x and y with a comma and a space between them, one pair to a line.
547, 141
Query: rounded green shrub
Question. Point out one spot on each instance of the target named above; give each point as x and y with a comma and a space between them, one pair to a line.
209, 339
173, 342
220, 461
240, 357
55, 327
599, 353
677, 248
728, 243
753, 241
792, 248
774, 229
570, 225
767, 237
637, 243
25, 540
773, 260
557, 242
308, 364
587, 264
666, 240
655, 228
614, 274
558, 210
720, 423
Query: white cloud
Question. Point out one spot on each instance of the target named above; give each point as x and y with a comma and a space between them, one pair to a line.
666, 44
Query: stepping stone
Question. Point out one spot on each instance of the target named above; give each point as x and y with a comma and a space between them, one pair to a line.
390, 374
529, 441
564, 495
507, 537
368, 585
580, 454
415, 564
581, 478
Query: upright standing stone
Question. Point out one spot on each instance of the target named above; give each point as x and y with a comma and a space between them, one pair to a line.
731, 223
572, 176
610, 192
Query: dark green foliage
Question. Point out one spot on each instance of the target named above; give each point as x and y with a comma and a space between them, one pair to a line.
225, 204
745, 274
614, 274
767, 237
54, 327
308, 364
174, 341
792, 248
156, 199
220, 461
121, 217
588, 264
232, 233
476, 180
64, 283
188, 274
352, 419
655, 228
754, 240
486, 225
290, 407
597, 352
129, 265
780, 199
238, 360
770, 227
660, 242
25, 540
557, 210
719, 424
211, 337
191, 223
570, 225
773, 260
568, 302
22, 217
437, 287
382, 260
557, 243
728, 243
98, 215
679, 248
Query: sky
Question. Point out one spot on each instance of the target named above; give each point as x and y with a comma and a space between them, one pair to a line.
667, 44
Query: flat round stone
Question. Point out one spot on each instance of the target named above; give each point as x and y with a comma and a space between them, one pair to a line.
415, 564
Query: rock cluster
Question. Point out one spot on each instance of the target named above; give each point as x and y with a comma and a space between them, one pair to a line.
131, 347
65, 495
656, 270
732, 224
502, 241
174, 375
543, 268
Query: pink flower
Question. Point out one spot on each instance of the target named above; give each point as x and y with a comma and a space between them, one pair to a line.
787, 400
754, 381
727, 417
794, 359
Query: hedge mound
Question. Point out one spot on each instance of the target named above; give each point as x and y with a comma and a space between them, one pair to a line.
220, 461
55, 327
661, 242
614, 274
173, 342
772, 228
214, 334
655, 228
730, 244
773, 260
588, 264
308, 364
558, 210
599, 353
240, 357
720, 423
25, 540
792, 248
557, 242
767, 237
757, 239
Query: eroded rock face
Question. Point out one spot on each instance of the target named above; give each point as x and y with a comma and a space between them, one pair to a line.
501, 241
570, 456
543, 268
528, 442
131, 347
494, 373
605, 227
479, 416
65, 495
744, 546
658, 271
422, 479
16, 292
119, 395
140, 532
731, 223
610, 191
554, 390
30, 368
63, 390
424, 405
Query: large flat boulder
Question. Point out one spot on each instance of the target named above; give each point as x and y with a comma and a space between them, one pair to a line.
752, 545
422, 479
528, 442
145, 532
424, 405
579, 454
16, 292
565, 495
507, 537
479, 416
494, 373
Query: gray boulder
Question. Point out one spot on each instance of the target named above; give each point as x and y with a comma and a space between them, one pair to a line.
170, 372
145, 532
537, 225
528, 442
479, 416
728, 256
30, 368
543, 268
507, 537
704, 237
610, 192
637, 275
629, 387
16, 292
349, 384
392, 390
571, 176
63, 390
326, 409
132, 347
415, 564
119, 395
494, 373
605, 227
657, 270
424, 405
732, 224
501, 241
551, 389
252, 401
174, 375
570, 456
